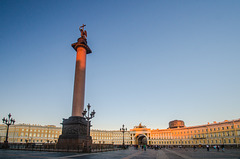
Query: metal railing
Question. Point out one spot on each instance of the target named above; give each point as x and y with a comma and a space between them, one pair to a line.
53, 147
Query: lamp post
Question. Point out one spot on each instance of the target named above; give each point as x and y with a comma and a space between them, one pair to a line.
8, 121
88, 116
123, 130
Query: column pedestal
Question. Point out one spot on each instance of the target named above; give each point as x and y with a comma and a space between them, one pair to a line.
74, 134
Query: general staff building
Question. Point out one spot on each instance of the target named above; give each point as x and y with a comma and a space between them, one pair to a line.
177, 134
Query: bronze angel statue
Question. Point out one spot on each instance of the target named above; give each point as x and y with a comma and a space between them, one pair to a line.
83, 32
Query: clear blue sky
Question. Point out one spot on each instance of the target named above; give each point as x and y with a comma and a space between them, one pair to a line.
152, 62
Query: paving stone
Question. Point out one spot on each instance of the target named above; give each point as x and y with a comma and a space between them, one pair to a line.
130, 153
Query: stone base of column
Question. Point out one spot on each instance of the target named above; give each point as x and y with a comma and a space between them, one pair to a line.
74, 135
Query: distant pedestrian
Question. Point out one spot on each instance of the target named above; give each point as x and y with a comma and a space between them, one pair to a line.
194, 147
222, 148
217, 148
207, 147
144, 146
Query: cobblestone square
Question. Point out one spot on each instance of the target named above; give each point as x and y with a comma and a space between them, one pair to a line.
130, 153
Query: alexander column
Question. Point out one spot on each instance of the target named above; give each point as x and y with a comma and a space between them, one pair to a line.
74, 131
79, 84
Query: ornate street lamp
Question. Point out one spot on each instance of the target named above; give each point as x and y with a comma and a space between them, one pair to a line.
8, 121
123, 130
92, 114
88, 116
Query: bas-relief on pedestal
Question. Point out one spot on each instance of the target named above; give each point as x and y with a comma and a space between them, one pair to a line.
74, 127
74, 133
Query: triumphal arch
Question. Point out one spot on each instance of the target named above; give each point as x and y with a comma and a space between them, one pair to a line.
140, 134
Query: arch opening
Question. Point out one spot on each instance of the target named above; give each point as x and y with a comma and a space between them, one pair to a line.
141, 140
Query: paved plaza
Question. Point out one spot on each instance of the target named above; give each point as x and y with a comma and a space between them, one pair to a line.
130, 153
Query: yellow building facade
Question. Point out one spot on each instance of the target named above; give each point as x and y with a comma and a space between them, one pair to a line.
216, 133
26, 133
177, 134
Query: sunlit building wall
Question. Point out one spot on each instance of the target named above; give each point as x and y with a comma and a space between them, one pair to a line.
216, 133
227, 133
26, 133
110, 137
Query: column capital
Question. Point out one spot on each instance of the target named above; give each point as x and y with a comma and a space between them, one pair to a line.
82, 43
